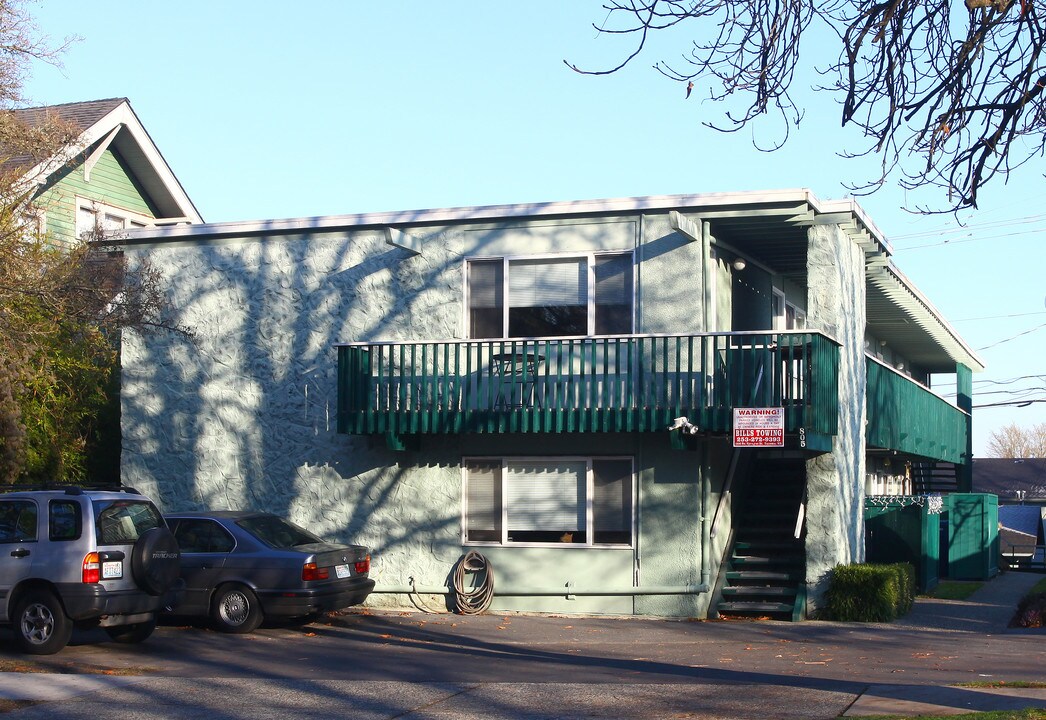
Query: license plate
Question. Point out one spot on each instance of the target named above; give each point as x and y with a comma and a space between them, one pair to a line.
342, 571
112, 570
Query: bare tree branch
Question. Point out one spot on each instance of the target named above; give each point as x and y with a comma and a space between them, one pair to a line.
947, 95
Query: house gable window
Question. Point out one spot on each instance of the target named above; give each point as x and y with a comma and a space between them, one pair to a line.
96, 217
561, 296
539, 501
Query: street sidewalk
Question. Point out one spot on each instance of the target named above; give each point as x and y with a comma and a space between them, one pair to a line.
987, 611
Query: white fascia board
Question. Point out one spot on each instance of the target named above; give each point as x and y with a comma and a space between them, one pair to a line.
490, 213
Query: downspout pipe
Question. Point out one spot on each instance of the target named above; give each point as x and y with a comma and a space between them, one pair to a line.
706, 528
706, 469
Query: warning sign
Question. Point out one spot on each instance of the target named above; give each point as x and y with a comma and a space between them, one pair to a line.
759, 427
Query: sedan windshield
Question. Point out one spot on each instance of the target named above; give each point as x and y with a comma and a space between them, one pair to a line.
277, 532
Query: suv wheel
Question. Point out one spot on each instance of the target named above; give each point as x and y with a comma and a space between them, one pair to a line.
235, 610
41, 625
156, 561
131, 634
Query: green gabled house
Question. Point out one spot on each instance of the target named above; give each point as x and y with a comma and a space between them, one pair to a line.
112, 177
667, 405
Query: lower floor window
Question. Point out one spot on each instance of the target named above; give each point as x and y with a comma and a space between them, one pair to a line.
585, 501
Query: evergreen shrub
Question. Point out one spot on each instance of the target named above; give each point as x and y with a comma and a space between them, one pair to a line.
870, 593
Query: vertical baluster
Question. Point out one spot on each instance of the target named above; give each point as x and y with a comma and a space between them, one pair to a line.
630, 387
471, 392
593, 392
599, 347
643, 394
564, 379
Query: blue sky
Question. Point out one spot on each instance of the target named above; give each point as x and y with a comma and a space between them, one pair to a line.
342, 107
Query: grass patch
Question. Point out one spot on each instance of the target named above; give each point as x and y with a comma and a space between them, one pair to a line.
1039, 587
32, 666
1002, 684
954, 590
1029, 714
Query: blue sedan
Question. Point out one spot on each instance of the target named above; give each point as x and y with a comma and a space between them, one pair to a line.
243, 567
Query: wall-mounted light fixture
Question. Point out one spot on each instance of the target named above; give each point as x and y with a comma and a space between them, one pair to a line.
739, 264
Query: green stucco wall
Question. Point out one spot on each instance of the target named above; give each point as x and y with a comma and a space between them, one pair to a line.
245, 417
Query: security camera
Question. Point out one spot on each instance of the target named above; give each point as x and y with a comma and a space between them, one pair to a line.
684, 425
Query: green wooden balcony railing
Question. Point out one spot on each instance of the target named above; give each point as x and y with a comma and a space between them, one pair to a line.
634, 383
906, 416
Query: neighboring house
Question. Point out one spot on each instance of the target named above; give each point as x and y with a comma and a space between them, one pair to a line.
1020, 484
111, 178
1017, 481
664, 406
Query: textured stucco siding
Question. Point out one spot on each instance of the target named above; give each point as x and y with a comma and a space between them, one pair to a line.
835, 481
243, 416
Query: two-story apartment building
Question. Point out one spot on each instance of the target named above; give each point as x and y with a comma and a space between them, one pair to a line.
661, 405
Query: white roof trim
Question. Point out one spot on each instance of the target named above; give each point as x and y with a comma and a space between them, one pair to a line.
896, 286
493, 213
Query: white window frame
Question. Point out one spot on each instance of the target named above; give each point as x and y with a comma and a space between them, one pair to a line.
103, 211
589, 542
781, 318
588, 257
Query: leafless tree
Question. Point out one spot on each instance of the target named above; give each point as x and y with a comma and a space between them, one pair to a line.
1013, 441
948, 94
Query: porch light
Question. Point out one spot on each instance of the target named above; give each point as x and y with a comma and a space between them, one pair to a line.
739, 264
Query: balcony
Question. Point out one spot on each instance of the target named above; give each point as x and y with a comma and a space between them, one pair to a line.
906, 416
634, 383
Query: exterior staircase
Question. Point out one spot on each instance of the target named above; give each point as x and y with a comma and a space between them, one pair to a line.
934, 477
765, 572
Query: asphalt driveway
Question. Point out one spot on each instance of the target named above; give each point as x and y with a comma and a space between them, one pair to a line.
416, 665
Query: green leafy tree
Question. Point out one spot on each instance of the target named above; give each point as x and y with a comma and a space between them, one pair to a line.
62, 308
948, 94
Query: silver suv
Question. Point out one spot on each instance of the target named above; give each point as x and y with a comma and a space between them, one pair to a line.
89, 558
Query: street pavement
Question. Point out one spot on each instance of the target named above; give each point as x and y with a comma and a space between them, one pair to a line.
417, 665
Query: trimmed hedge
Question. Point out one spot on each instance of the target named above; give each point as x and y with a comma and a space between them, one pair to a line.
870, 593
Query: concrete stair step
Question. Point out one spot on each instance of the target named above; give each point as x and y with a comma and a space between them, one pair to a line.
759, 591
755, 607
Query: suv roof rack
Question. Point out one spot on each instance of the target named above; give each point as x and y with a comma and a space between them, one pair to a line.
69, 488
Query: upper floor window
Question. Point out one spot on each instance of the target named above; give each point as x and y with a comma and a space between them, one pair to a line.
589, 294
96, 217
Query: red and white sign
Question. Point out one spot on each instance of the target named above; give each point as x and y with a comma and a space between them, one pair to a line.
759, 427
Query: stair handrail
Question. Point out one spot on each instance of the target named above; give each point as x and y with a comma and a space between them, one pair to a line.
725, 495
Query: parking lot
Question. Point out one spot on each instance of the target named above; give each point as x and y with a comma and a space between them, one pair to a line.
386, 665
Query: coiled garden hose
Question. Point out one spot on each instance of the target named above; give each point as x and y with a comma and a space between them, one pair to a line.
476, 599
